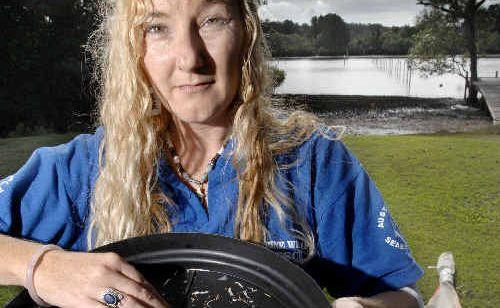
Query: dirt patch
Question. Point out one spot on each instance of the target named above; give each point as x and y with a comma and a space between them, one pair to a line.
412, 121
365, 115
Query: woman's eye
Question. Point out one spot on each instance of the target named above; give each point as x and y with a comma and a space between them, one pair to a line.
215, 21
155, 29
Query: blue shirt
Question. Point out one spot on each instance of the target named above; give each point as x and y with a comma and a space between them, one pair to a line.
359, 249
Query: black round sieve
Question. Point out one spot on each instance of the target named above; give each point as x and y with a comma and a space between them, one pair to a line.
203, 270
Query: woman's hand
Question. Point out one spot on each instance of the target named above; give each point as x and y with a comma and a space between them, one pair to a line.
78, 279
347, 302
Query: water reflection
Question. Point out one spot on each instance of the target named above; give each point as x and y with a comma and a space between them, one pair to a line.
398, 68
371, 76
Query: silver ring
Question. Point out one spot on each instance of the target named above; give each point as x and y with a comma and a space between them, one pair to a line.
112, 297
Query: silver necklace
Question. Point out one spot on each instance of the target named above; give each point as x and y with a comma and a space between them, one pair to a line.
198, 185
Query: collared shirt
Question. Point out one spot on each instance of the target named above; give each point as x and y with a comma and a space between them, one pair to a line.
359, 250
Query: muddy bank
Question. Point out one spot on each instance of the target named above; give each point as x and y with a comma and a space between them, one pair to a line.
389, 115
358, 103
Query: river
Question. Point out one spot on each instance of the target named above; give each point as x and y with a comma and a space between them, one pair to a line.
371, 76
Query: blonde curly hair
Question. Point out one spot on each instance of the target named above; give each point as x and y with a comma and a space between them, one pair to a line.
126, 200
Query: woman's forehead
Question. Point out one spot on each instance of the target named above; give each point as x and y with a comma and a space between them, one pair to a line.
163, 7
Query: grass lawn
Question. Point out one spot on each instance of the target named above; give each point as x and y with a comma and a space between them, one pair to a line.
444, 191
15, 151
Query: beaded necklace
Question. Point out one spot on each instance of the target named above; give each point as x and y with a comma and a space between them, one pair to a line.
198, 185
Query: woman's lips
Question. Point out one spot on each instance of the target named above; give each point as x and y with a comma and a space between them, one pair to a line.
195, 88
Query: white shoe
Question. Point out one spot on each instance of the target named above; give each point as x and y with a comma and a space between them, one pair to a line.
446, 267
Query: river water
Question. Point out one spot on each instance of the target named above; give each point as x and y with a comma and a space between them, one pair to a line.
371, 76
386, 76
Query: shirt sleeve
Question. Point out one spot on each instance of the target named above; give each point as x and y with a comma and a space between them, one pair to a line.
46, 199
361, 251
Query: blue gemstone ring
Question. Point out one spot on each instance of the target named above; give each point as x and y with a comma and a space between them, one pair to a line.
112, 297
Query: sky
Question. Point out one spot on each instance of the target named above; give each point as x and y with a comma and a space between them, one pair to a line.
386, 12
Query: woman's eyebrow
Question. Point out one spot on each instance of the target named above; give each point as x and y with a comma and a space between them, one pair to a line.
219, 1
228, 4
162, 14
157, 14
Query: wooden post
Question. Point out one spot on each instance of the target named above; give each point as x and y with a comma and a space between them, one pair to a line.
410, 76
496, 74
466, 86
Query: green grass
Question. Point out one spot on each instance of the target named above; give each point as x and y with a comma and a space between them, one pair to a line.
15, 151
7, 293
443, 189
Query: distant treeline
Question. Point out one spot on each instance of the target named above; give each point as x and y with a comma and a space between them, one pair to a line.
45, 73
330, 35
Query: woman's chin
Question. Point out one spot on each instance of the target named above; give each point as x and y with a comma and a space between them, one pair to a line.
201, 111
202, 119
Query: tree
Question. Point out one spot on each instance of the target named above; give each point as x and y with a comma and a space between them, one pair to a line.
41, 60
330, 34
375, 39
397, 40
438, 46
462, 13
489, 30
288, 39
494, 12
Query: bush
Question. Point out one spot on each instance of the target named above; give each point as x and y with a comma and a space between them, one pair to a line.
278, 76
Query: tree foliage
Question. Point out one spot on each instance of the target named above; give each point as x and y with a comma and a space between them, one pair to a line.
288, 39
278, 76
489, 30
375, 39
461, 15
330, 34
41, 72
439, 46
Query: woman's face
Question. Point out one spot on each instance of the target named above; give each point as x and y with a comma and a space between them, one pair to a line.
193, 51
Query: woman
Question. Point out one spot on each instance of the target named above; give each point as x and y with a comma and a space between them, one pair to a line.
187, 143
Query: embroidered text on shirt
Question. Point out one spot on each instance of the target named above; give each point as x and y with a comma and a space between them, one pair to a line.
5, 182
290, 249
381, 217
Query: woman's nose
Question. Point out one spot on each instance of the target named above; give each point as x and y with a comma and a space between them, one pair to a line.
190, 50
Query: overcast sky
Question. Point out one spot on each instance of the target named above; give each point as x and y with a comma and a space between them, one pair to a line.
386, 12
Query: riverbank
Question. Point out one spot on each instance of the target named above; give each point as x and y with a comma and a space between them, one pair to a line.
489, 56
389, 115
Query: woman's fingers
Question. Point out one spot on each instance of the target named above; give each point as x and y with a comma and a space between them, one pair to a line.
133, 282
128, 270
143, 291
347, 302
131, 291
129, 301
118, 263
77, 279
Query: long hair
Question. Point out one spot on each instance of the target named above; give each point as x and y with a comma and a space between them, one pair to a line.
126, 201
